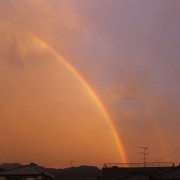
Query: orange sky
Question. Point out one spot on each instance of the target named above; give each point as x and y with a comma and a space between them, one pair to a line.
48, 115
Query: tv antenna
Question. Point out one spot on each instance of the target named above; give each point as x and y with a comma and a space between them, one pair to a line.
72, 162
144, 153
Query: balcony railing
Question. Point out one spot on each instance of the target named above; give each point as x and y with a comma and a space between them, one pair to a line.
137, 165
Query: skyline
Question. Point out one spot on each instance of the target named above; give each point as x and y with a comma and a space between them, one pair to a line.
77, 76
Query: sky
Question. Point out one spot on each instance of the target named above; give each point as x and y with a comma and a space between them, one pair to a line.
125, 51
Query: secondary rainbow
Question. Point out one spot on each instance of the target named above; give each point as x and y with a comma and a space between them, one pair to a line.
63, 60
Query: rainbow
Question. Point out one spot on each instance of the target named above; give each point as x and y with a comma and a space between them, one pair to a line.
91, 92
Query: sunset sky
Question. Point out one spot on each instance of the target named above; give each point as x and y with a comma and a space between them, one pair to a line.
89, 81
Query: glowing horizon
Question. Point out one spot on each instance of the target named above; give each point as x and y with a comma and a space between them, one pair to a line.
91, 92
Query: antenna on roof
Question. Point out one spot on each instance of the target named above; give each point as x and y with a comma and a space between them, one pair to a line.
144, 153
72, 162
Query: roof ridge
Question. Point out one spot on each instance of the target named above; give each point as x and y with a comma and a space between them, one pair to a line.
39, 168
33, 166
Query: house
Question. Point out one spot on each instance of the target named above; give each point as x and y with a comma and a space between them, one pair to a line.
128, 171
171, 174
28, 172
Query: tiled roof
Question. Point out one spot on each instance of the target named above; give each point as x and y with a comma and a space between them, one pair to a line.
30, 169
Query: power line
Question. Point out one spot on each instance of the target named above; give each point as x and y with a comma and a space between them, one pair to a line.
170, 154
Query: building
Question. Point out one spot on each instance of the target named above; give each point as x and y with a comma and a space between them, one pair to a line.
27, 172
170, 174
129, 171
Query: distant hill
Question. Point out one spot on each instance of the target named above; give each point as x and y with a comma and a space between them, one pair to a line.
81, 169
81, 172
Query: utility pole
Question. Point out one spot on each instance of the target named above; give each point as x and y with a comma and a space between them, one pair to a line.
145, 153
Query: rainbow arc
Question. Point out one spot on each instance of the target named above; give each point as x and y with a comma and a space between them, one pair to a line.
91, 92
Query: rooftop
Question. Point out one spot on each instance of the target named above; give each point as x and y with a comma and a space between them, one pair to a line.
30, 169
138, 165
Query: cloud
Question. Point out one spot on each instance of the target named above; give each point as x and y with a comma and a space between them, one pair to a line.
45, 111
127, 51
